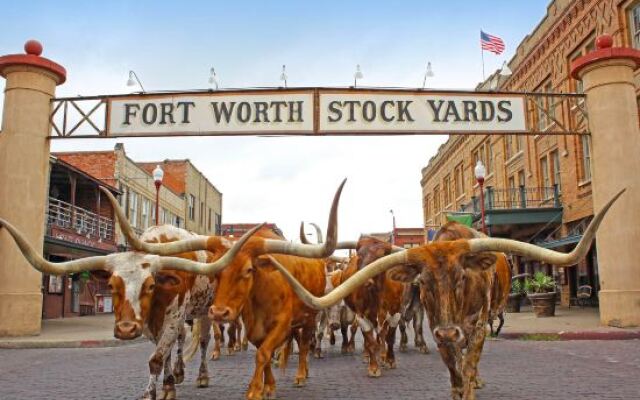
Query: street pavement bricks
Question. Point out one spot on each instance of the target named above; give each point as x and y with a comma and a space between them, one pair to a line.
512, 369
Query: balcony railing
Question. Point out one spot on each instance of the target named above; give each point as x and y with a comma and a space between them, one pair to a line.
515, 198
83, 222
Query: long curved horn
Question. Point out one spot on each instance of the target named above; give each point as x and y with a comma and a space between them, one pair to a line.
42, 265
184, 264
211, 243
123, 222
318, 233
303, 235
539, 253
310, 250
348, 286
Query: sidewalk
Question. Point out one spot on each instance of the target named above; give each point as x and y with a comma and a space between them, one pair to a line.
89, 331
573, 323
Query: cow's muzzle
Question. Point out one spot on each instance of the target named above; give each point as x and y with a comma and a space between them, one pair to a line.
221, 314
127, 330
449, 334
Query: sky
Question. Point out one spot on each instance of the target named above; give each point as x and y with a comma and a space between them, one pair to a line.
172, 46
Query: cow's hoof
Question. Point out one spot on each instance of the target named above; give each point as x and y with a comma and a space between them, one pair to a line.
300, 381
254, 395
403, 347
215, 355
149, 396
245, 346
317, 354
332, 341
374, 372
237, 347
230, 351
202, 382
269, 391
479, 383
168, 393
390, 364
178, 373
344, 350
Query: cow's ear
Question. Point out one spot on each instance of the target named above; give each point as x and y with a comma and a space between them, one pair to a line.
404, 273
479, 261
167, 280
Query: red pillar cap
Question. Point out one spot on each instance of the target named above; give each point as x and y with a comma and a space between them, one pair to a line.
33, 50
604, 51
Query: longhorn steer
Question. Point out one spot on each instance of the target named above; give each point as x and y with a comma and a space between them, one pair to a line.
152, 294
502, 276
455, 286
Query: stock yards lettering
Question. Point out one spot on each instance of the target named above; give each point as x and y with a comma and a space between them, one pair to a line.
441, 111
225, 112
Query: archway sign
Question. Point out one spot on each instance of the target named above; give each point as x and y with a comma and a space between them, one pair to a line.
318, 111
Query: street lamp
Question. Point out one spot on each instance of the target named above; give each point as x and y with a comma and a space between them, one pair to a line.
213, 78
357, 75
158, 174
283, 75
428, 74
393, 231
480, 172
133, 78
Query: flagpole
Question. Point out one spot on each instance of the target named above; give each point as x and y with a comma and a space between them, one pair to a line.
482, 55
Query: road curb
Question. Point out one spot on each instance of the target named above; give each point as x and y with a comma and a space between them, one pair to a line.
580, 335
67, 344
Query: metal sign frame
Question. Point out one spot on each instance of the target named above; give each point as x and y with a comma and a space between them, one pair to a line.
545, 113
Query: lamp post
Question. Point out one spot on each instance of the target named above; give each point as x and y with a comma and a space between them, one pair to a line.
158, 174
428, 74
133, 78
480, 172
283, 75
393, 231
213, 78
357, 75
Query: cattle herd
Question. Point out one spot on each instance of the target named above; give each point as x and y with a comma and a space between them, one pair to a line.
271, 292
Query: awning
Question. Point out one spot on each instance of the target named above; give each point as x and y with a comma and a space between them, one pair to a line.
554, 244
464, 219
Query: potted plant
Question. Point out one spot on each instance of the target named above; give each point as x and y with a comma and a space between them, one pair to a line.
541, 291
515, 297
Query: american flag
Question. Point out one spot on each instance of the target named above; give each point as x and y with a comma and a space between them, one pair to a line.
491, 43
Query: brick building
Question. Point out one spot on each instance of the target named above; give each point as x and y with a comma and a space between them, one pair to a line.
79, 223
202, 200
538, 188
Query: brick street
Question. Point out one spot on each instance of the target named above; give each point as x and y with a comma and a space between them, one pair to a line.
512, 370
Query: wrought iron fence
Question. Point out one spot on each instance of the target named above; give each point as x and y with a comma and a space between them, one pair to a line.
520, 197
83, 222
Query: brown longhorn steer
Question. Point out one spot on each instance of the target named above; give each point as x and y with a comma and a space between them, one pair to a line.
455, 286
502, 276
377, 302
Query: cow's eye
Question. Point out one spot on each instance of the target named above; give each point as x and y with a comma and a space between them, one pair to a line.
110, 287
151, 287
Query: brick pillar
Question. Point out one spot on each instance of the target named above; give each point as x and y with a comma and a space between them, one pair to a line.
608, 79
24, 174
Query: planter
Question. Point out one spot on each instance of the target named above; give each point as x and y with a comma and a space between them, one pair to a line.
513, 302
544, 304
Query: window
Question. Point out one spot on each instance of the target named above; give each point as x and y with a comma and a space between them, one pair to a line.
586, 47
146, 204
192, 207
518, 143
427, 206
483, 153
508, 146
133, 208
585, 157
55, 284
545, 107
555, 168
513, 192
544, 172
153, 213
209, 221
446, 189
436, 199
634, 25
521, 181
218, 224
459, 177
201, 214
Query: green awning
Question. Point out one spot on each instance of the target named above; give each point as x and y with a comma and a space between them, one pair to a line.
464, 219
